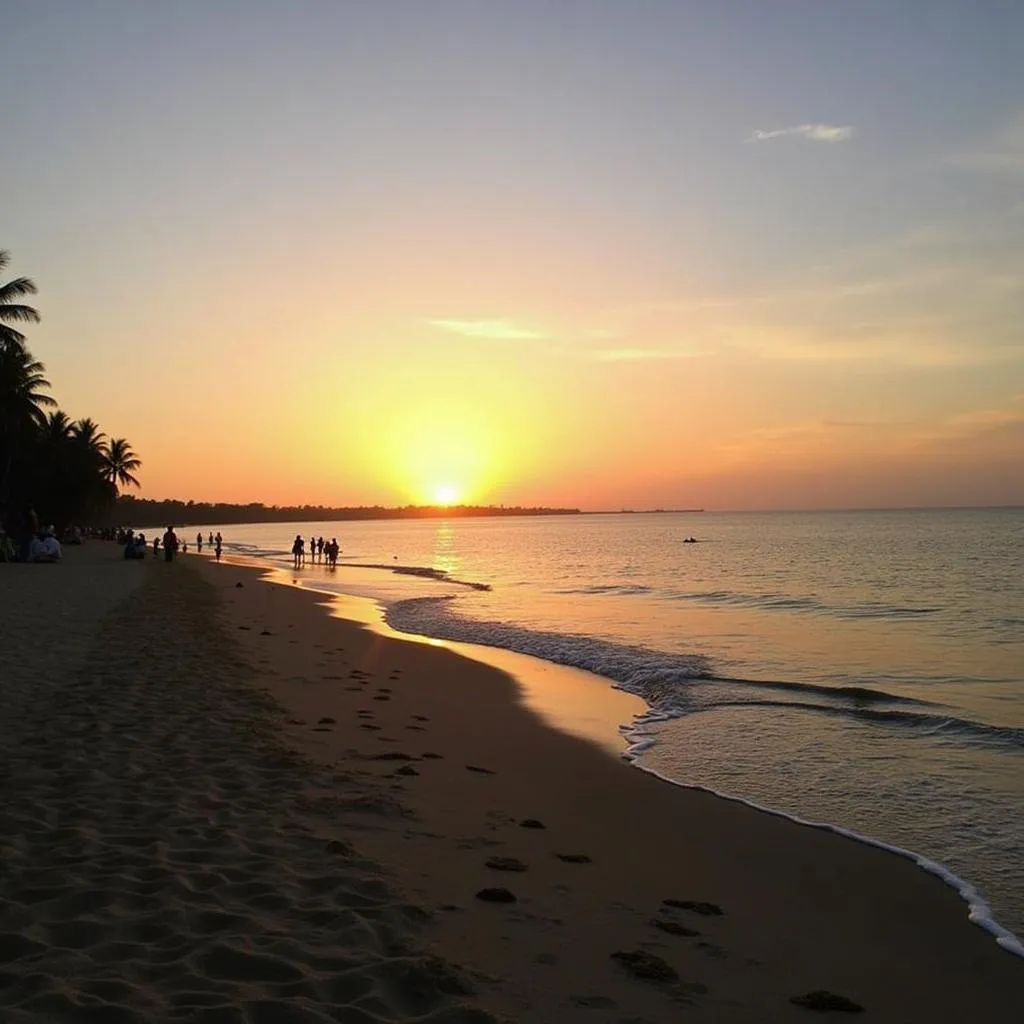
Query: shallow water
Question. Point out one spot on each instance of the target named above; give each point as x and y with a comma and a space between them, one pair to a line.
861, 668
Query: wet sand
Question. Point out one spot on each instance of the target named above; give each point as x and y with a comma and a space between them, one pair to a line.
222, 803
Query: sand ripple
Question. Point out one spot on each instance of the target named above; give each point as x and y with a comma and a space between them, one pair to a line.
164, 857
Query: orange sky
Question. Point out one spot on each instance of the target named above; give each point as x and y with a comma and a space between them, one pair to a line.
356, 256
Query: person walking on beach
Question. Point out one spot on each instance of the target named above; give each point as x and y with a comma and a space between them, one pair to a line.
297, 547
170, 544
217, 547
199, 542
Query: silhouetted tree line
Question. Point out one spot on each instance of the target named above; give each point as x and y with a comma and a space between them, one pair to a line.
65, 471
146, 512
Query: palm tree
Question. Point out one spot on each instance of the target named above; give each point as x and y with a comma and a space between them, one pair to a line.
120, 462
57, 427
12, 311
22, 401
21, 388
88, 434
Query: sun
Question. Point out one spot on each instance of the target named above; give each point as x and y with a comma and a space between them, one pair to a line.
445, 494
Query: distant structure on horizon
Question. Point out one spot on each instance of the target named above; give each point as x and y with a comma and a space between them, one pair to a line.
148, 512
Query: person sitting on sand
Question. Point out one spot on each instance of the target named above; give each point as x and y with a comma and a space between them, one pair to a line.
44, 549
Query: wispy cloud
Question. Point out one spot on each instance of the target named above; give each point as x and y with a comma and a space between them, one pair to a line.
499, 330
638, 355
812, 132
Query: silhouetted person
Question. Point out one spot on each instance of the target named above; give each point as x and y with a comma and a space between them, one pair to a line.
170, 544
211, 538
199, 542
216, 547
156, 547
297, 549
320, 549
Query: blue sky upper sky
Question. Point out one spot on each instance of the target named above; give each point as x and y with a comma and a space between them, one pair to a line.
785, 234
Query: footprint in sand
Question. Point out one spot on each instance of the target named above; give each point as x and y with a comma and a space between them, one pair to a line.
505, 864
296, 721
381, 696
431, 756
574, 858
645, 966
383, 689
824, 1001
354, 689
531, 823
673, 927
416, 728
480, 771
420, 718
326, 721
697, 906
406, 769
496, 896
321, 728
245, 627
370, 726
266, 632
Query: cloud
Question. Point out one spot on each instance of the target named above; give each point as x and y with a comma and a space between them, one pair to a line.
499, 330
812, 132
638, 355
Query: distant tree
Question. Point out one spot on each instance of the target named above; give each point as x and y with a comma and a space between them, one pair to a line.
11, 310
120, 463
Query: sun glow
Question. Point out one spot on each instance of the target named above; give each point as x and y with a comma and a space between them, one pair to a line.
446, 494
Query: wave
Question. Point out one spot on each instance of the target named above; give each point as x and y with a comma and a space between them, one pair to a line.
771, 602
673, 685
939, 726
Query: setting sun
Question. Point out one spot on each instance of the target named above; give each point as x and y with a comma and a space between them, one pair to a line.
445, 494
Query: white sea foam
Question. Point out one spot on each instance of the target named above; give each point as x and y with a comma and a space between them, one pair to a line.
641, 740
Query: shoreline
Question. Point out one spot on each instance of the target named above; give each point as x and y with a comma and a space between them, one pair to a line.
926, 904
636, 741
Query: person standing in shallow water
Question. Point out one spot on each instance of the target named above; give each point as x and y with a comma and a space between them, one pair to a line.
216, 547
156, 547
199, 542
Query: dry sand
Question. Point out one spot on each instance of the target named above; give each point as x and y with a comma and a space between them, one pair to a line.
165, 856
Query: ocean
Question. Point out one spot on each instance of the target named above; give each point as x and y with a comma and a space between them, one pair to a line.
863, 669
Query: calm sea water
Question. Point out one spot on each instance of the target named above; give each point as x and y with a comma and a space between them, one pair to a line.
859, 668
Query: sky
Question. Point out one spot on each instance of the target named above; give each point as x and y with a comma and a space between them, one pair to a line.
597, 253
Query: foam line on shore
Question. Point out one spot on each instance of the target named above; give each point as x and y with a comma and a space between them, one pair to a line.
640, 741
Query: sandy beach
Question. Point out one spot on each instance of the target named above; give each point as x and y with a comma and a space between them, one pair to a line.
225, 803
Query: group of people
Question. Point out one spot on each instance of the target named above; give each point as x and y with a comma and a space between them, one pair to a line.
136, 545
325, 552
215, 541
30, 542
